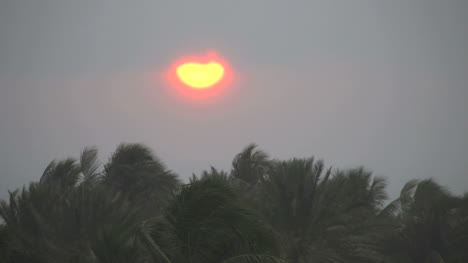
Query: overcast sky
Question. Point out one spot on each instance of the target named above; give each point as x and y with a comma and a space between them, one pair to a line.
383, 84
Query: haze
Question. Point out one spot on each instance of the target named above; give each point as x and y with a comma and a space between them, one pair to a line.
382, 84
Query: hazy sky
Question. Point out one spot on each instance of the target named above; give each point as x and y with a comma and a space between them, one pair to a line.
382, 84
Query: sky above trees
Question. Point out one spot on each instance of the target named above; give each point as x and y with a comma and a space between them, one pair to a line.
374, 83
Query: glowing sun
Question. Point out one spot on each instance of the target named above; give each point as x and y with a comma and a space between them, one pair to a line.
200, 77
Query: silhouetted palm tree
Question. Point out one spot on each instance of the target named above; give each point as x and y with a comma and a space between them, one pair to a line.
205, 222
134, 171
430, 223
321, 217
133, 209
250, 165
69, 216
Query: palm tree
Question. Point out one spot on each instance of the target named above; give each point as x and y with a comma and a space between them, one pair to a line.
204, 222
431, 226
69, 216
133, 209
134, 171
4, 246
458, 252
250, 165
322, 217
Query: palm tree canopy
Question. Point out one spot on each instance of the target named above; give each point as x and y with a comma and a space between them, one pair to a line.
208, 224
250, 165
134, 209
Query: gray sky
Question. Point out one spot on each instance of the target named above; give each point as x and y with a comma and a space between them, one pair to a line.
382, 84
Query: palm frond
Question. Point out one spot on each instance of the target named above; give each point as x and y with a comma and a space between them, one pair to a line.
252, 258
250, 164
89, 163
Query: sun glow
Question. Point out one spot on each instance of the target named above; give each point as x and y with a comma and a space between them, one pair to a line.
200, 78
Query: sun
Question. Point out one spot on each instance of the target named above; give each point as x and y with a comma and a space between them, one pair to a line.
200, 77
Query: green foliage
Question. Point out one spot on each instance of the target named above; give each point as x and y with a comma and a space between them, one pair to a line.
133, 170
205, 222
250, 165
133, 209
432, 225
75, 215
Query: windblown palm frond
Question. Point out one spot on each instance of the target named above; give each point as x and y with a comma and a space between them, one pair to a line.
65, 219
65, 173
136, 172
133, 209
89, 163
250, 165
401, 203
324, 217
205, 222
251, 258
428, 223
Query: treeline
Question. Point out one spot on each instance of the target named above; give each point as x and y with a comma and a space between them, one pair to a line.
133, 209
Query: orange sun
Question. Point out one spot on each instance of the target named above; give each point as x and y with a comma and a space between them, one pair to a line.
200, 77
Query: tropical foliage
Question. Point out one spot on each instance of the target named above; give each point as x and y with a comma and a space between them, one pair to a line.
133, 209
